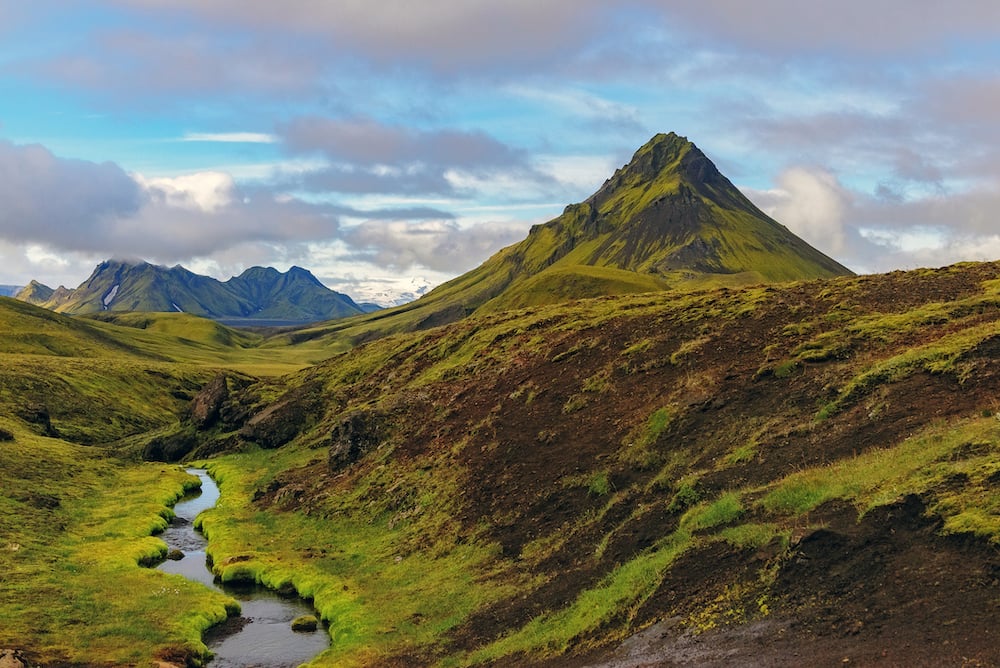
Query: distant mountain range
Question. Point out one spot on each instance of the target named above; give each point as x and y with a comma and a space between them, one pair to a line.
257, 296
9, 290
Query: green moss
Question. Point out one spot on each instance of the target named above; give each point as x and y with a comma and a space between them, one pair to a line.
76, 525
723, 510
599, 484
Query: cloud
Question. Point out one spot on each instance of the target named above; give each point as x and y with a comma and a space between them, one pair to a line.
368, 156
365, 141
875, 233
450, 36
203, 191
812, 204
136, 67
49, 198
598, 111
231, 137
439, 245
86, 207
866, 29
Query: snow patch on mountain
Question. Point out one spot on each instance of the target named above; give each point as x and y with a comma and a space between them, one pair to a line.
110, 297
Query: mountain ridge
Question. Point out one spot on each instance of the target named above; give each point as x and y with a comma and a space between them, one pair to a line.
257, 294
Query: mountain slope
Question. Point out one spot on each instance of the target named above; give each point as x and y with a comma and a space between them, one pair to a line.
257, 294
798, 470
668, 219
723, 477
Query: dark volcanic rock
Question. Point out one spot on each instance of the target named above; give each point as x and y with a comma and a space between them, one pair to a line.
219, 403
282, 421
206, 404
170, 448
359, 433
38, 414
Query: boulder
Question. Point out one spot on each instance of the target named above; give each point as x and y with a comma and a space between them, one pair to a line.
170, 448
12, 658
38, 414
305, 624
359, 433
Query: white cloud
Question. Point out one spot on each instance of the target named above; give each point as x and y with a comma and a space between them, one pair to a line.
202, 191
231, 137
812, 204
439, 245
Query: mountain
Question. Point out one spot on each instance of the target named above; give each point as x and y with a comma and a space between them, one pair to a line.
257, 295
10, 290
666, 220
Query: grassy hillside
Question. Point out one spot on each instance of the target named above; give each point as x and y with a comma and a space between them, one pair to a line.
98, 381
815, 462
806, 469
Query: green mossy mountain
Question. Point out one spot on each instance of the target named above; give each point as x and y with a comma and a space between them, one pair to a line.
259, 293
666, 220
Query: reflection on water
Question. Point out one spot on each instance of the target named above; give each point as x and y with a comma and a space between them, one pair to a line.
262, 635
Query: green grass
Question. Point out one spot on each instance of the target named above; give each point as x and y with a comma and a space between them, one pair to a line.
368, 578
551, 634
724, 510
74, 525
881, 476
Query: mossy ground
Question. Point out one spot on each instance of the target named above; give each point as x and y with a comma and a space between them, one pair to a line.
75, 525
718, 442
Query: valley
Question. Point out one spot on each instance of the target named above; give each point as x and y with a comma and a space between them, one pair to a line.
661, 430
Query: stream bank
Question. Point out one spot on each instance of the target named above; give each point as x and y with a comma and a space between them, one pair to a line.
262, 635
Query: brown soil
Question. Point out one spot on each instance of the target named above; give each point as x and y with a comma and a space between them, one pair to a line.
885, 591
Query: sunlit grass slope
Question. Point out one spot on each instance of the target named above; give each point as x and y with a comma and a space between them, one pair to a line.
96, 381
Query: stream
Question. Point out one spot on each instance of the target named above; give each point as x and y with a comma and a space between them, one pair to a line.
262, 635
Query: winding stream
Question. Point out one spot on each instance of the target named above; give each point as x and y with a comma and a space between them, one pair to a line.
262, 635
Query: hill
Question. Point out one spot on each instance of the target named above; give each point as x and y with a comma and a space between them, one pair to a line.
257, 295
806, 469
114, 375
666, 220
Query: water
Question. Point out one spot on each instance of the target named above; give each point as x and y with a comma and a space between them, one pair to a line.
262, 635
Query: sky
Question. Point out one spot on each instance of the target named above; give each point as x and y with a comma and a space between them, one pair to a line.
389, 145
